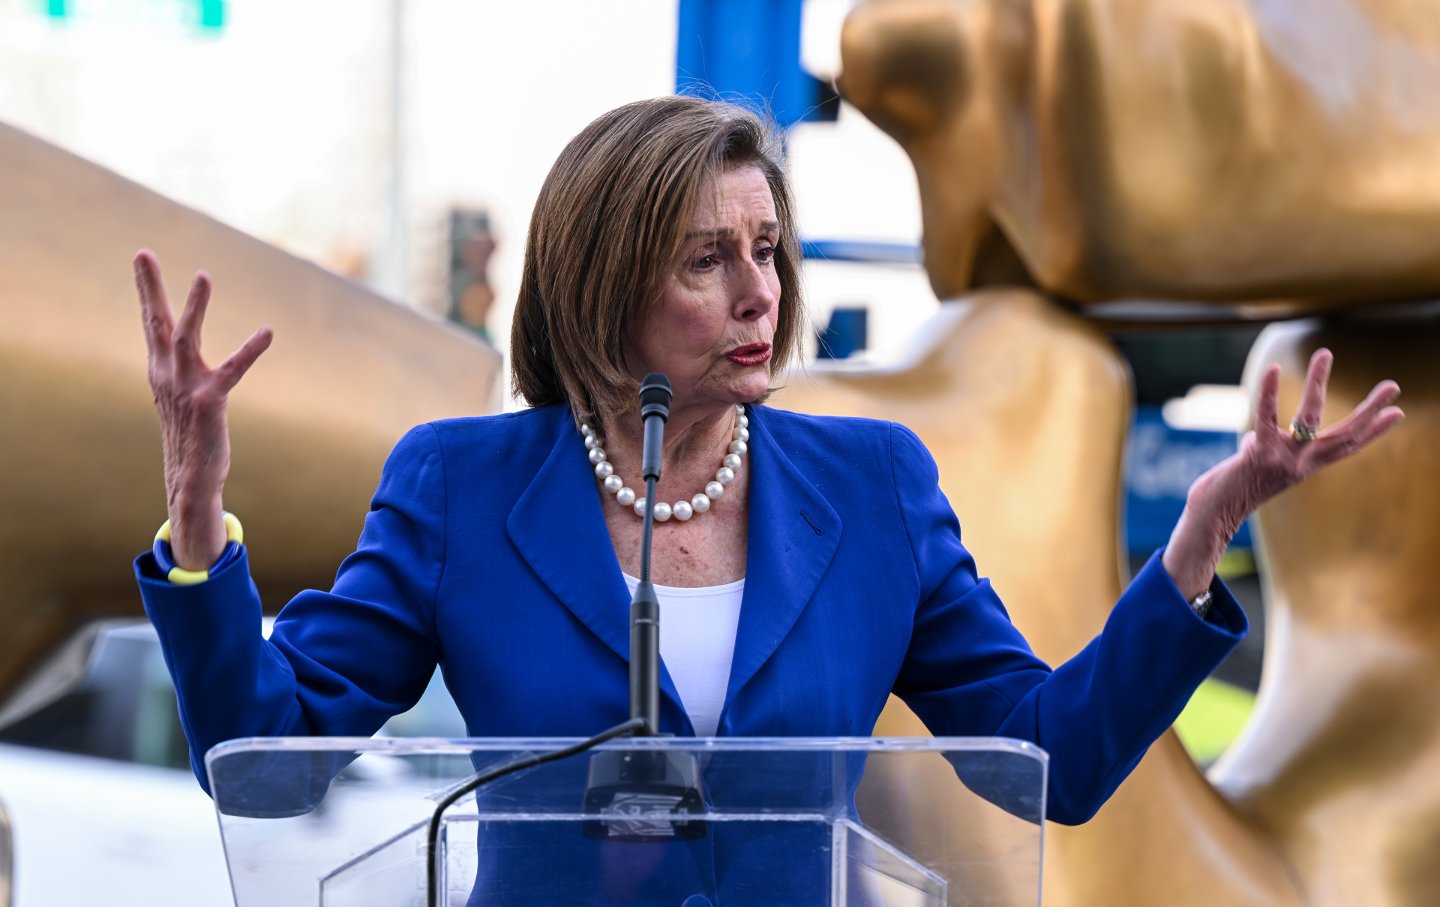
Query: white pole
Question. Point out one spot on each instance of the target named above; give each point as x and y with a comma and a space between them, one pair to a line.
391, 274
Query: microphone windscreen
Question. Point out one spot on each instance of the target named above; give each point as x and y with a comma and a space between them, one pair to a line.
655, 396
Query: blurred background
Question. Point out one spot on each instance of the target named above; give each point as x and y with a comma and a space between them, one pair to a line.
357, 134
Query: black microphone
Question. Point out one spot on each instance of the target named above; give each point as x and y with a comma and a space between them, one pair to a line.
655, 398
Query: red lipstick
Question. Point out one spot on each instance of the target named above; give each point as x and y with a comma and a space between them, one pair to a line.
750, 354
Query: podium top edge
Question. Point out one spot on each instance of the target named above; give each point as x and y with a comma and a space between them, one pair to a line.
417, 746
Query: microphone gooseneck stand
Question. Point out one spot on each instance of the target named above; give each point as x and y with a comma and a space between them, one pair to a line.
645, 795
655, 396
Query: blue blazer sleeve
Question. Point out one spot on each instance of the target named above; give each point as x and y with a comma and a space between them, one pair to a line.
337, 663
969, 671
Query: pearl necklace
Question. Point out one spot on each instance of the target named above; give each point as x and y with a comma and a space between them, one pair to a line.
681, 510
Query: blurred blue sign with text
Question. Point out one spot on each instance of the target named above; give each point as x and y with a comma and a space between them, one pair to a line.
1161, 463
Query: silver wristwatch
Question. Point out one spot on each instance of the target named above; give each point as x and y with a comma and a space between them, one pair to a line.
1201, 604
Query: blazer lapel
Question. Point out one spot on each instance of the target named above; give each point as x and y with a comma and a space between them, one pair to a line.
559, 530
793, 536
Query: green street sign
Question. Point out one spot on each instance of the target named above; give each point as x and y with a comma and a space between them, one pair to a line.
205, 15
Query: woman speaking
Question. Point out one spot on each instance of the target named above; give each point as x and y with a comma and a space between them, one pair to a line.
807, 567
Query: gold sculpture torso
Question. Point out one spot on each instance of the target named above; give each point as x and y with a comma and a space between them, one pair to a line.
1214, 160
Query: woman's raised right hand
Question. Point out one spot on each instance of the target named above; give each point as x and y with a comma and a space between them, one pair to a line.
191, 399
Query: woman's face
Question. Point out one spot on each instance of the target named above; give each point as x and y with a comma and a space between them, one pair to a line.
711, 330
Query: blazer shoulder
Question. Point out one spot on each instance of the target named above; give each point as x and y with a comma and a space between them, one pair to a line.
500, 434
874, 439
787, 423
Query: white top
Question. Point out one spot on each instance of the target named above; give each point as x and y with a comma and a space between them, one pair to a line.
697, 644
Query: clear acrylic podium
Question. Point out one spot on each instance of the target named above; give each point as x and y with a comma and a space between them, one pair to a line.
879, 822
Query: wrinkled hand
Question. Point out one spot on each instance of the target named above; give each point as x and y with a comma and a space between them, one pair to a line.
1270, 460
191, 399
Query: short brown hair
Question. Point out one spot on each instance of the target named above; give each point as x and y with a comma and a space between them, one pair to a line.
607, 230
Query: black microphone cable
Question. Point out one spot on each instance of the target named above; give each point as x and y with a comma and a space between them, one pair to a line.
432, 868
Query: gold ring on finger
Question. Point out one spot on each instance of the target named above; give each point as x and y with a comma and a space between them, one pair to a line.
1302, 432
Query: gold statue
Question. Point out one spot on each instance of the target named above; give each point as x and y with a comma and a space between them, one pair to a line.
1226, 151
351, 373
1215, 160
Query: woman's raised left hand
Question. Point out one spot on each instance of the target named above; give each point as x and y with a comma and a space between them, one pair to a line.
1271, 459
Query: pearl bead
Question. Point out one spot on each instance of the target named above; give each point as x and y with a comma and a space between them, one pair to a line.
613, 483
740, 409
604, 470
732, 461
625, 496
700, 503
591, 442
725, 475
682, 510
586, 429
742, 434
662, 511
639, 506
736, 447
597, 453
743, 421
714, 490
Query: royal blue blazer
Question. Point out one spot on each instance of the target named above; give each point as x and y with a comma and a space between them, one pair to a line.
485, 551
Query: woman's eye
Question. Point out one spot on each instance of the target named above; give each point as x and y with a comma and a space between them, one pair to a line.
765, 254
705, 262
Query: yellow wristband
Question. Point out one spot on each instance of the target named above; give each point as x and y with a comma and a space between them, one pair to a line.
234, 538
